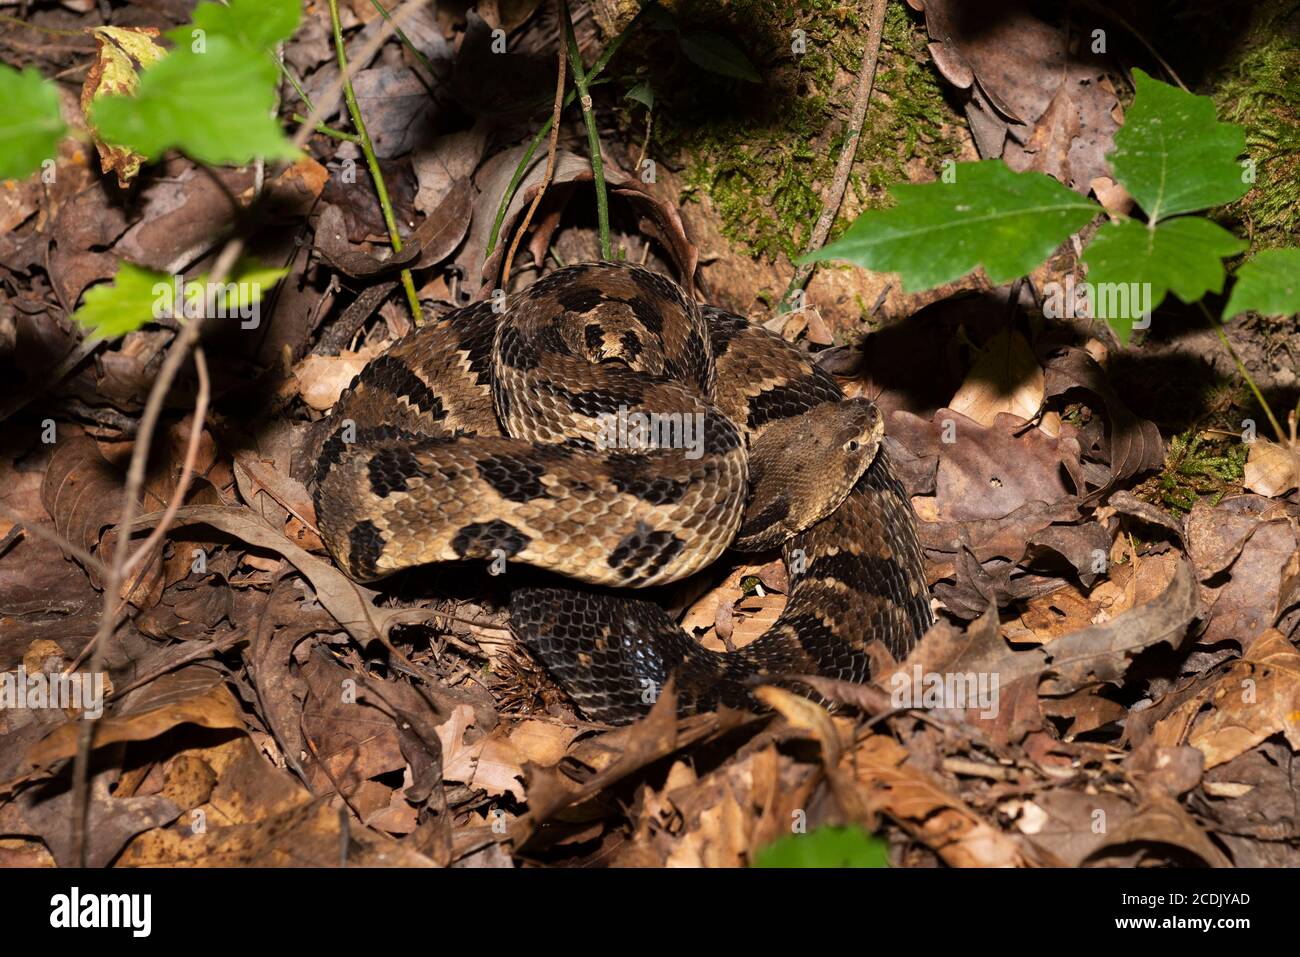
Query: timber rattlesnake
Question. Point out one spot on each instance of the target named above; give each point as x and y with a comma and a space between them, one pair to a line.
528, 438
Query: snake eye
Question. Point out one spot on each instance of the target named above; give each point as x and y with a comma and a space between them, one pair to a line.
851, 446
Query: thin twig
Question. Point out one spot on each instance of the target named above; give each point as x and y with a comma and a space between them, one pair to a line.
582, 82
1217, 324
187, 466
372, 161
135, 474
840, 182
550, 161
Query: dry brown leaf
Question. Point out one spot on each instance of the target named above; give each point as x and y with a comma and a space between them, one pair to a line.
1006, 377
1256, 700
1272, 469
925, 809
214, 707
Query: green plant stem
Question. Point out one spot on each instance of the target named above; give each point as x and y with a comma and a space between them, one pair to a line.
293, 81
601, 62
581, 81
1217, 324
372, 161
424, 60
330, 131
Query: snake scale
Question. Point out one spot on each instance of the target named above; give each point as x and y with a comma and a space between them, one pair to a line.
606, 428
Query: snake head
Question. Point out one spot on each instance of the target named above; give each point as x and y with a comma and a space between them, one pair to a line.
802, 468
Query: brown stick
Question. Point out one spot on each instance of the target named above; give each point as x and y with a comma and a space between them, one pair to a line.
840, 182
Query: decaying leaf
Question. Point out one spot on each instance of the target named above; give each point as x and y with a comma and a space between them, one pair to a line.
120, 53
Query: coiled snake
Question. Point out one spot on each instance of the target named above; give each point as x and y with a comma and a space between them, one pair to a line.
607, 428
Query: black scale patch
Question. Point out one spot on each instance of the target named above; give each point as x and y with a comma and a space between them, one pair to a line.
863, 573
394, 377
646, 314
391, 468
477, 332
580, 299
780, 402
478, 539
365, 545
595, 402
720, 435
645, 551
513, 478
631, 345
593, 335
629, 475
518, 352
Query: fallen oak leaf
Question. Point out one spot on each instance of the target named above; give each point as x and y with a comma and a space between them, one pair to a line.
214, 707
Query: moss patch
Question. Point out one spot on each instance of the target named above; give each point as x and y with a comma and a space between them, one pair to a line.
1198, 466
1259, 87
766, 156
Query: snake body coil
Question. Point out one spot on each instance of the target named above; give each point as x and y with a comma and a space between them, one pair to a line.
607, 428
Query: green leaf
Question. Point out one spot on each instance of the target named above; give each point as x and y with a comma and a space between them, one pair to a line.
1269, 284
138, 296
30, 124
253, 24
988, 216
715, 53
216, 106
826, 847
135, 297
643, 93
1131, 267
1172, 153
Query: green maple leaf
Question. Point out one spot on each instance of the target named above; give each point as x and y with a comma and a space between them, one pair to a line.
131, 300
254, 24
30, 124
139, 296
1173, 155
1132, 266
216, 106
1268, 284
989, 216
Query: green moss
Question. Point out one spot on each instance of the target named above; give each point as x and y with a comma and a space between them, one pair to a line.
1196, 466
1259, 87
767, 164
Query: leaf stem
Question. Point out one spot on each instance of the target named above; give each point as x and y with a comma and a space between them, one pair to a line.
1217, 324
401, 36
330, 131
372, 161
582, 82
